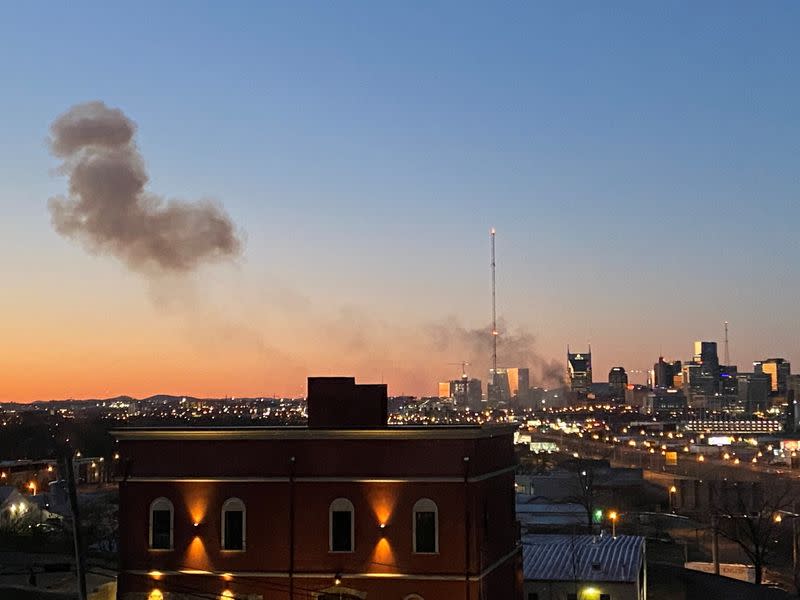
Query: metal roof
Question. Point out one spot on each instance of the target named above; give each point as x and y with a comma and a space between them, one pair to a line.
582, 557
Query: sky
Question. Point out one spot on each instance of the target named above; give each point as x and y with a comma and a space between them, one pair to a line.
639, 162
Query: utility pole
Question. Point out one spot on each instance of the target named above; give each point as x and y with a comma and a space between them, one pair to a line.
80, 557
715, 543
794, 537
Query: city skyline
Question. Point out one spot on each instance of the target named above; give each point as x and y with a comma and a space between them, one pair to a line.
639, 168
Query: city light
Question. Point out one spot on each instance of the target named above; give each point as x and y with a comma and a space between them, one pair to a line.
613, 517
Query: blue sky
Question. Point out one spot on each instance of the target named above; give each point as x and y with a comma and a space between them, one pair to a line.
639, 160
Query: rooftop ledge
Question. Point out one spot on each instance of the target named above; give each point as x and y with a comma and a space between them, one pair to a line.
391, 432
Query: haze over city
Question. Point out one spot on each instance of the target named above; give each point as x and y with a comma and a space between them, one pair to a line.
344, 165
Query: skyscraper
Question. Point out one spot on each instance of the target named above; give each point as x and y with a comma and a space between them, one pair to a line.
617, 382
779, 370
579, 371
664, 372
465, 392
705, 355
501, 390
753, 389
518, 381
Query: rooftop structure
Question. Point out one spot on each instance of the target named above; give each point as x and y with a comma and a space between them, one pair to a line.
584, 566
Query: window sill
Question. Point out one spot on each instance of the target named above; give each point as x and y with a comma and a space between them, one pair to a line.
341, 551
232, 551
160, 550
426, 553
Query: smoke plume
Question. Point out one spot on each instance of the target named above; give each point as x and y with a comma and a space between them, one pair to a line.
108, 210
515, 348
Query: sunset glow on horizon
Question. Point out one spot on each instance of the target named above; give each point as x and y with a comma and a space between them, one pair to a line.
314, 194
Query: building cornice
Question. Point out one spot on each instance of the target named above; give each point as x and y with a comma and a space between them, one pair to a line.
304, 433
319, 479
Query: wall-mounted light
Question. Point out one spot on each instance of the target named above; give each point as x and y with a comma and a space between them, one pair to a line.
337, 579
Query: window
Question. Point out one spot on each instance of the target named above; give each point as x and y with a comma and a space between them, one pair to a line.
533, 596
426, 527
572, 596
233, 524
605, 596
341, 525
161, 523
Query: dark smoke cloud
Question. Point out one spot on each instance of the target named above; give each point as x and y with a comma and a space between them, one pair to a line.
108, 210
515, 348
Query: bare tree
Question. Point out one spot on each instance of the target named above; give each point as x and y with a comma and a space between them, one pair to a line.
586, 492
748, 514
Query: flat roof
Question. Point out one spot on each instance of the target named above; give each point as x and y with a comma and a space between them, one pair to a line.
392, 432
582, 557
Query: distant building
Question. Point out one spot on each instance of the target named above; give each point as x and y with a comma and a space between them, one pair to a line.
753, 390
467, 393
791, 412
573, 567
635, 395
664, 402
705, 354
793, 403
779, 370
617, 383
445, 390
579, 371
664, 373
701, 376
518, 381
728, 386
509, 382
498, 389
793, 383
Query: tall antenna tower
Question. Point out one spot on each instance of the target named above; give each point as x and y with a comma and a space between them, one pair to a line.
494, 317
727, 354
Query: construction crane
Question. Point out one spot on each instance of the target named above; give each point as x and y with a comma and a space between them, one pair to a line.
464, 364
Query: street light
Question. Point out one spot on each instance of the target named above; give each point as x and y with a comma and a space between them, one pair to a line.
672, 491
613, 516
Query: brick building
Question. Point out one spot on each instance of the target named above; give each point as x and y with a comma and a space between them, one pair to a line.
347, 507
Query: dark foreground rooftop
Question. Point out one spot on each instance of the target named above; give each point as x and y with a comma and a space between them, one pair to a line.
582, 557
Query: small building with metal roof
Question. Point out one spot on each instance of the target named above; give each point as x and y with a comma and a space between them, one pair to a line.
584, 567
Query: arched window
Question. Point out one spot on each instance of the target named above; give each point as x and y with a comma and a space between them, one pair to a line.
413, 597
234, 524
161, 524
426, 527
341, 525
